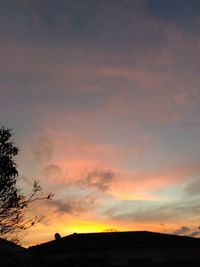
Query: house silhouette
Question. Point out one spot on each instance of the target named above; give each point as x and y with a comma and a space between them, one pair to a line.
11, 254
140, 248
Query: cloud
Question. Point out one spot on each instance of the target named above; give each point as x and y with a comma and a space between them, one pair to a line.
98, 179
154, 211
193, 187
116, 78
53, 173
182, 230
43, 149
152, 184
111, 168
73, 206
195, 234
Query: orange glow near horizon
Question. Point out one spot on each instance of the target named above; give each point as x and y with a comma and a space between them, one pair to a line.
39, 235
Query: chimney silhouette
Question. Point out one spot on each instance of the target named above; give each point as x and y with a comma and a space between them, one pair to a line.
57, 236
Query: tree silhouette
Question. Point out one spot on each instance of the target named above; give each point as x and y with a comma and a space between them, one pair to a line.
13, 204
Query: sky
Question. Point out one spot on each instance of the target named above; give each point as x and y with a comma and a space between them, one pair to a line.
104, 101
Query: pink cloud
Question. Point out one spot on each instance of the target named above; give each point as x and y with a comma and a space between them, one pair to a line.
143, 185
74, 156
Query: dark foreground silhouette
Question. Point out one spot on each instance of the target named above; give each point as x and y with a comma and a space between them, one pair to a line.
107, 250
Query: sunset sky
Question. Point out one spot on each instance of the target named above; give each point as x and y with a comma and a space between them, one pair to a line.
104, 99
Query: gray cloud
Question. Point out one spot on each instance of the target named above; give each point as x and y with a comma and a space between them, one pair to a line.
182, 230
53, 173
195, 234
73, 206
140, 211
43, 150
193, 188
98, 179
144, 214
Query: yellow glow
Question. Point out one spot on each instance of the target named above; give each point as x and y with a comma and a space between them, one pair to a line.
41, 234
86, 227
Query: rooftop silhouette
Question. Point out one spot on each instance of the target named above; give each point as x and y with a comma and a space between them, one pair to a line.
115, 240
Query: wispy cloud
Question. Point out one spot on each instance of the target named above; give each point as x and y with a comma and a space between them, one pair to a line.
43, 149
195, 234
182, 230
154, 211
72, 206
193, 187
98, 179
